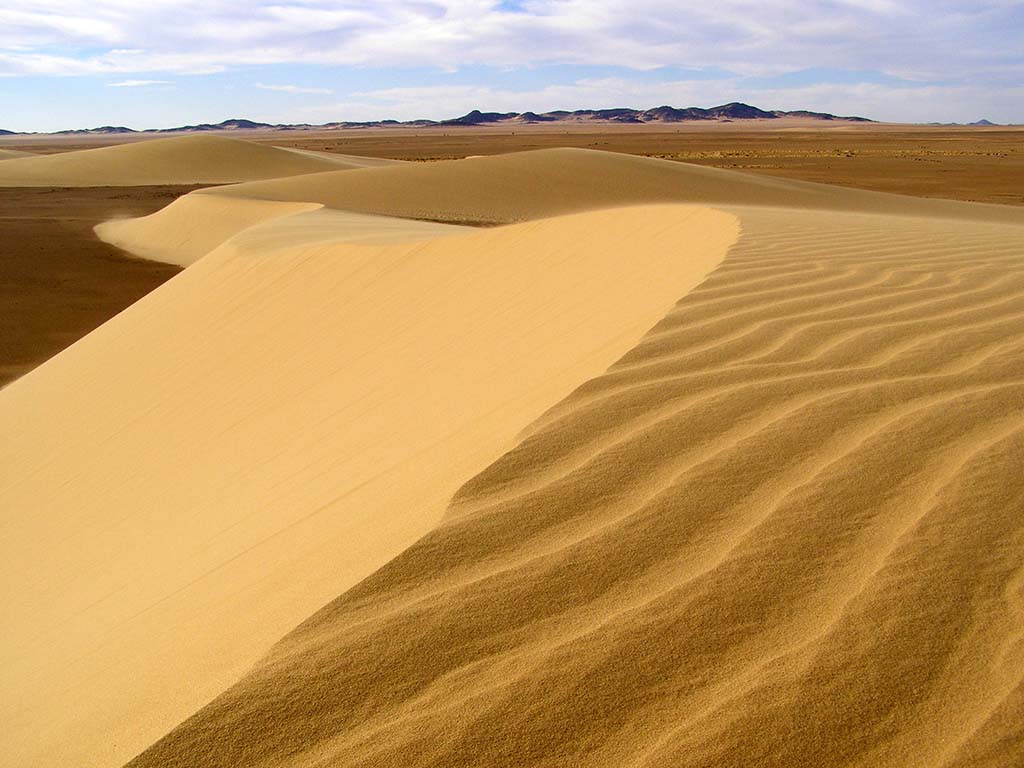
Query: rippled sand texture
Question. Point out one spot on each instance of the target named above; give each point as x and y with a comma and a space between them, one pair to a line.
676, 466
786, 529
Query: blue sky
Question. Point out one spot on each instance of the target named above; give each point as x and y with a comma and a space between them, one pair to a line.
70, 63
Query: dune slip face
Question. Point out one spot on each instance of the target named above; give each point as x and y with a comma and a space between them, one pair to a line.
787, 528
202, 473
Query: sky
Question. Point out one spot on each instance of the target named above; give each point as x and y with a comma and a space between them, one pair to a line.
161, 63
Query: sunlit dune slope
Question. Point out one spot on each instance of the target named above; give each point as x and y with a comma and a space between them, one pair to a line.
198, 225
495, 190
527, 185
785, 529
179, 160
9, 154
186, 484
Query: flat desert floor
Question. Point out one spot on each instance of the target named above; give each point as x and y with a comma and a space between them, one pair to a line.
534, 458
58, 281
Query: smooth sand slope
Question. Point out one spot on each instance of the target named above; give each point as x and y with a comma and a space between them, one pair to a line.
198, 159
9, 154
499, 189
527, 185
199, 224
205, 471
786, 529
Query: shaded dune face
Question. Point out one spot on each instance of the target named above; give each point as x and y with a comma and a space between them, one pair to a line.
787, 528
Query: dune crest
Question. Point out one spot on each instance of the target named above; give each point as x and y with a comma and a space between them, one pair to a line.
193, 225
210, 467
497, 189
199, 159
787, 528
784, 527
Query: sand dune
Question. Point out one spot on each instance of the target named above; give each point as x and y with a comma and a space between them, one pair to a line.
206, 470
527, 185
784, 527
532, 185
8, 154
180, 160
192, 226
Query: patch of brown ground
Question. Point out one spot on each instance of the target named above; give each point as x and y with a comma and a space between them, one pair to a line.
58, 281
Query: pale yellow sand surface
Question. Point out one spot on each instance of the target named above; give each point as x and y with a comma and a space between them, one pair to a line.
527, 185
9, 154
786, 529
729, 476
183, 160
204, 471
198, 224
497, 189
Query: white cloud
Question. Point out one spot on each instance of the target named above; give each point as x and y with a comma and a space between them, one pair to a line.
955, 58
137, 83
926, 39
292, 88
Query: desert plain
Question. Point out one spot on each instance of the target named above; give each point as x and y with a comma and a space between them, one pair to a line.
606, 447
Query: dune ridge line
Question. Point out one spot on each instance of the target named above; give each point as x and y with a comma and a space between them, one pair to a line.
277, 422
677, 466
784, 529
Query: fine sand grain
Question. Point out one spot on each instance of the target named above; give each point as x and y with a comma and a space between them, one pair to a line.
271, 426
685, 468
786, 529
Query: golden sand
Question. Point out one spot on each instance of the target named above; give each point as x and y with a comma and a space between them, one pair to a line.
199, 159
561, 496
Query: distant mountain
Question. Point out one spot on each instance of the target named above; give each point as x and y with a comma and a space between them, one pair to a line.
234, 124
6, 133
476, 117
664, 114
103, 129
979, 123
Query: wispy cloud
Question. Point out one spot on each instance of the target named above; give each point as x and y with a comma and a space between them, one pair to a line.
292, 88
137, 83
925, 39
966, 51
